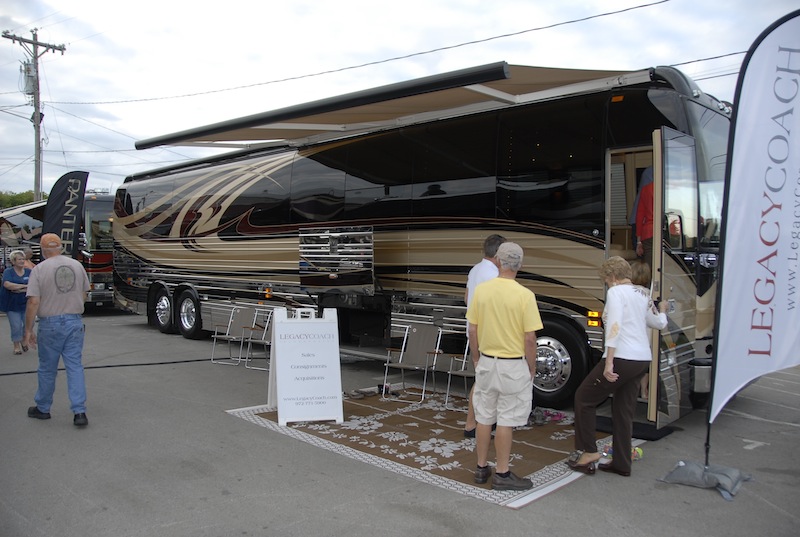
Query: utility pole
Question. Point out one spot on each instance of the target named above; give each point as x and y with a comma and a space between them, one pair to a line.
32, 47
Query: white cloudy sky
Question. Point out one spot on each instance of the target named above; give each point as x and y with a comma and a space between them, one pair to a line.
136, 70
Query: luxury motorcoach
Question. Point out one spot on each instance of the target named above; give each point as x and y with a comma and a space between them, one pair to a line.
376, 203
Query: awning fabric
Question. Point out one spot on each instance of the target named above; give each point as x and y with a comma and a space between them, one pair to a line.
473, 89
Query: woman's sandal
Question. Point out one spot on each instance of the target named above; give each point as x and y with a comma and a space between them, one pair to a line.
586, 468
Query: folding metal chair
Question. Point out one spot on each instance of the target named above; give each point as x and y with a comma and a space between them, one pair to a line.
259, 334
303, 313
462, 366
418, 353
233, 334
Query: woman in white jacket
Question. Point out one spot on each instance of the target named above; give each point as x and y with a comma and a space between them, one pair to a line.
628, 313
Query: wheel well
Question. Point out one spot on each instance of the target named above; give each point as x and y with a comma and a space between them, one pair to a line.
559, 318
186, 287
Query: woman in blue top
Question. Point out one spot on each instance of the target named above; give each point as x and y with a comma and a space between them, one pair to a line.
13, 299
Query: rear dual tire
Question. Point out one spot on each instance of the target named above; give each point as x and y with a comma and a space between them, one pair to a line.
187, 322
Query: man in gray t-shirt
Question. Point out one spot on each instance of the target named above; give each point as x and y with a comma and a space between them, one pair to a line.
57, 289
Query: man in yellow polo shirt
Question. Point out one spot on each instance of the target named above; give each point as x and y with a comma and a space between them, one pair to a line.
503, 320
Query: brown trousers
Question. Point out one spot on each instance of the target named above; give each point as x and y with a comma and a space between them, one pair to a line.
594, 390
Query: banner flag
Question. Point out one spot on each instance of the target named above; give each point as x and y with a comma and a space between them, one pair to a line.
62, 215
758, 311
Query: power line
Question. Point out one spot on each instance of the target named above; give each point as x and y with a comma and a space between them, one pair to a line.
41, 19
169, 150
94, 151
35, 49
17, 165
13, 114
717, 76
377, 62
710, 58
90, 121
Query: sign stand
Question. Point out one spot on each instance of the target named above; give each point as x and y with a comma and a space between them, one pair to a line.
305, 377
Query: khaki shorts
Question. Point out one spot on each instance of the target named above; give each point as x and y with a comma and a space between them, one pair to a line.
503, 392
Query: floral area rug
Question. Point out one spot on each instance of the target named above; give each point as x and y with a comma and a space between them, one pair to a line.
426, 441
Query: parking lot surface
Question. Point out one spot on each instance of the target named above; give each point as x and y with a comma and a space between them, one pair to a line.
161, 457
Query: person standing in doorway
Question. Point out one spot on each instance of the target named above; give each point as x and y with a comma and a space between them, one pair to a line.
640, 275
503, 319
643, 207
484, 270
57, 290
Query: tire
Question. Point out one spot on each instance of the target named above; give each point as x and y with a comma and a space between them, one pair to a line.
190, 324
561, 365
162, 312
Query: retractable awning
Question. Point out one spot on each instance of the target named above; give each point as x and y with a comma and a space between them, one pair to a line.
14, 211
468, 90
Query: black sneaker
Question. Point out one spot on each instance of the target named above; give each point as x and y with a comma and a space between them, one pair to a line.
537, 417
80, 420
482, 474
512, 482
34, 412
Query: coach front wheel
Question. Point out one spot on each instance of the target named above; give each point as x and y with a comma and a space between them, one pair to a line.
561, 364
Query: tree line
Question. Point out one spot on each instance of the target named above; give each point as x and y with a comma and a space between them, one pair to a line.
12, 199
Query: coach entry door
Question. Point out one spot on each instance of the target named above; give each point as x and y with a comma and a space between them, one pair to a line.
674, 273
672, 162
627, 169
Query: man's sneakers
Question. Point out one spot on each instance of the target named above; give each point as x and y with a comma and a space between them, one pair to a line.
512, 482
34, 412
537, 417
79, 420
482, 474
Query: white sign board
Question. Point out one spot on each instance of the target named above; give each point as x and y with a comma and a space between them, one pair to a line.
305, 377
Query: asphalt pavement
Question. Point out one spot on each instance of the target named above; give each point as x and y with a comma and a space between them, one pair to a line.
161, 457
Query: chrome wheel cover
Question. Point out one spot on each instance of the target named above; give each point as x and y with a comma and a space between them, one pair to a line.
163, 310
188, 314
553, 365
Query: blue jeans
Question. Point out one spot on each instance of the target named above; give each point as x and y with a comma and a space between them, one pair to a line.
61, 336
16, 319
